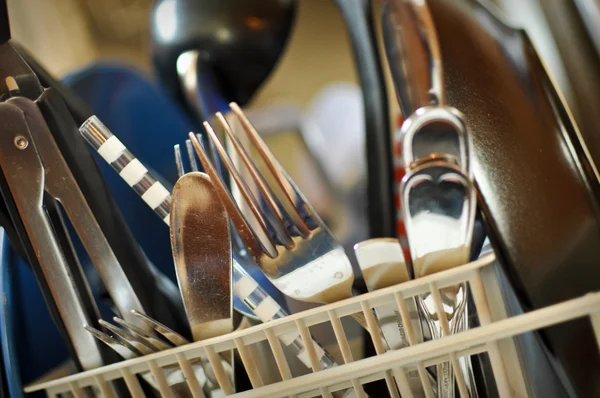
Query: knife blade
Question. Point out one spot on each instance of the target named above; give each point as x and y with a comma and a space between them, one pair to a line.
202, 254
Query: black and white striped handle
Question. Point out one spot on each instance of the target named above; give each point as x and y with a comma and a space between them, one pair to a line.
133, 172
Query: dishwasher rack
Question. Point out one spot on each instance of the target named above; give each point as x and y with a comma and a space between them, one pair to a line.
494, 337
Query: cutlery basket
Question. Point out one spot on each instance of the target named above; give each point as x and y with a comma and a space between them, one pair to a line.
495, 337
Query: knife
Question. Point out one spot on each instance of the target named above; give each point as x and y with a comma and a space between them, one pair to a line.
202, 254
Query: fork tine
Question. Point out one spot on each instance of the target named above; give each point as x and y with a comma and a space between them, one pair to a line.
191, 156
143, 346
178, 160
278, 223
289, 192
169, 334
253, 244
244, 190
114, 343
235, 236
141, 333
242, 186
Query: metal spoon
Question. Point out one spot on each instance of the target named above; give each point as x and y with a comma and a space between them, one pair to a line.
439, 212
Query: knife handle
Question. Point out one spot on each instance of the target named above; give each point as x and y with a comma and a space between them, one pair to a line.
358, 19
130, 169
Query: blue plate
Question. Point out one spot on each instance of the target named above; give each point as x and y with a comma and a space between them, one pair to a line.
7, 314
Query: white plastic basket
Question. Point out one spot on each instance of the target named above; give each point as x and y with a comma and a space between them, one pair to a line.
494, 337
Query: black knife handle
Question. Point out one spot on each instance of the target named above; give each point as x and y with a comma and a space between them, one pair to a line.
4, 23
359, 22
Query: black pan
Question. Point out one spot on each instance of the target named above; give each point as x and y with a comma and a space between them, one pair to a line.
538, 187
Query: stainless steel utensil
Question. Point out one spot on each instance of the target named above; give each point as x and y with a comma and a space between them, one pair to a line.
286, 237
413, 53
202, 255
381, 261
439, 212
430, 128
120, 346
431, 131
153, 340
317, 270
133, 172
151, 288
434, 132
24, 172
175, 338
177, 382
60, 184
202, 368
244, 286
141, 344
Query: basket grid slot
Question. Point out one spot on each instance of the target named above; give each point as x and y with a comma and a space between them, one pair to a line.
315, 363
280, 359
480, 298
105, 388
161, 380
215, 362
77, 392
249, 364
412, 339
344, 346
443, 319
190, 377
132, 383
378, 344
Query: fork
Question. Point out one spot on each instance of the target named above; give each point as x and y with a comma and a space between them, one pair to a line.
286, 237
130, 341
245, 287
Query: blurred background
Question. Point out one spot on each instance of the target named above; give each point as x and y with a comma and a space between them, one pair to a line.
75, 33
313, 83
318, 50
67, 35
